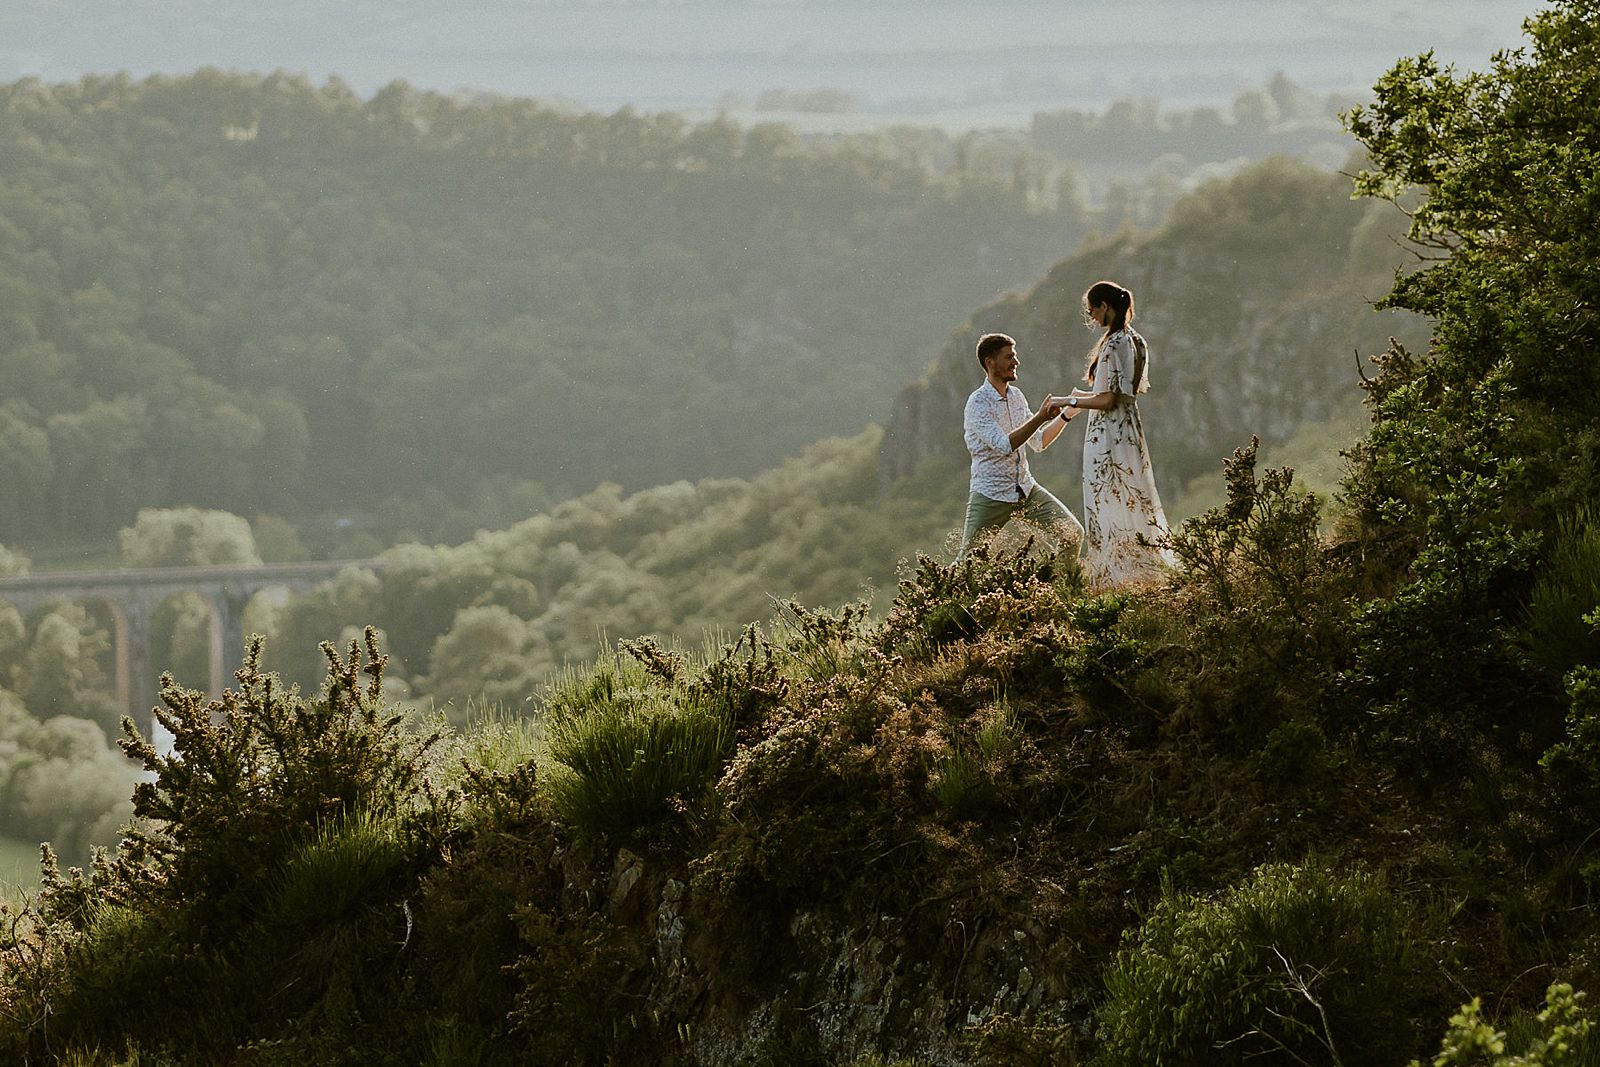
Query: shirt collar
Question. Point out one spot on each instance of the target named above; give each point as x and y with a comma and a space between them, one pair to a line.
993, 392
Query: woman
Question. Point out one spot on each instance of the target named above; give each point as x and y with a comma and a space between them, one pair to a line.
1125, 529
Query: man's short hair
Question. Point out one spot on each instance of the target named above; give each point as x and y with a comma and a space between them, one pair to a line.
992, 344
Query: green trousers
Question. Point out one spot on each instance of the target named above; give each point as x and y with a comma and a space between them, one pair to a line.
1040, 509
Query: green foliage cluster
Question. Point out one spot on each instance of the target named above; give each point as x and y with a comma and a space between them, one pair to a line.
1567, 588
631, 748
1298, 963
1557, 1036
187, 537
61, 779
1480, 447
210, 281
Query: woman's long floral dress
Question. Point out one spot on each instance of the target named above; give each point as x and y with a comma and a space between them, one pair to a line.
1125, 528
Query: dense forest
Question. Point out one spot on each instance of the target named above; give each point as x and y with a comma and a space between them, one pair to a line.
1326, 796
216, 290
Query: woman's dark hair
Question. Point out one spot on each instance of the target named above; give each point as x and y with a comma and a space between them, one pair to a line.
1120, 301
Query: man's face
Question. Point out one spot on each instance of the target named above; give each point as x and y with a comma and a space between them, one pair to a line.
1002, 366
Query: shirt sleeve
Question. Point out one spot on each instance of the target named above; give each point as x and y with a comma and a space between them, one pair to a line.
982, 429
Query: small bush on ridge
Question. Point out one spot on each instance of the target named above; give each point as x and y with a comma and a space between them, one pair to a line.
1298, 960
628, 756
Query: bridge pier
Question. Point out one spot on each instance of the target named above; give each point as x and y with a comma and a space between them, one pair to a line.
226, 609
136, 690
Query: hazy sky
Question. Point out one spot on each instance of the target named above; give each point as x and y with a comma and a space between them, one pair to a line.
894, 55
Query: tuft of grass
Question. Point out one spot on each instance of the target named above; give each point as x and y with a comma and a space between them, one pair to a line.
452, 1043
629, 748
964, 779
501, 741
337, 870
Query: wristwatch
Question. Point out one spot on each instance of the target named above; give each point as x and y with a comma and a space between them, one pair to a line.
1072, 401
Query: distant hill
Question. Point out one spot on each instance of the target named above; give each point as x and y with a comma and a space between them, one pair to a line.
1021, 54
1255, 297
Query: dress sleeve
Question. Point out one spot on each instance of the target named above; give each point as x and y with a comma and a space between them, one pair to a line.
1115, 372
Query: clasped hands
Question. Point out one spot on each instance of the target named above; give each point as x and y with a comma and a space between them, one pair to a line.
1057, 405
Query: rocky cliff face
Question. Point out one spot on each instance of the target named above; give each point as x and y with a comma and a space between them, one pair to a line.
1256, 298
927, 985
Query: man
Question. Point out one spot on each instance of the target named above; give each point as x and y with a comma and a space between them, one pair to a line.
1000, 428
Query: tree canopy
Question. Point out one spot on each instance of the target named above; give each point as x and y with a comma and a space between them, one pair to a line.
217, 290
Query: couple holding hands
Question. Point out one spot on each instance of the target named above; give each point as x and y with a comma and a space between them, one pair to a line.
1124, 528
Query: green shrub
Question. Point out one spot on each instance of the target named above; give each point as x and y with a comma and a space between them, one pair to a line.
628, 757
1101, 656
1298, 962
938, 604
572, 1005
1562, 1035
1579, 753
1567, 589
1261, 543
254, 775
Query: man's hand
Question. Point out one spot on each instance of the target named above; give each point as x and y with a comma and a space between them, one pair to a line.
1052, 406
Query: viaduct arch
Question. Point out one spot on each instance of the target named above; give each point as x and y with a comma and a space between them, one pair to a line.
132, 595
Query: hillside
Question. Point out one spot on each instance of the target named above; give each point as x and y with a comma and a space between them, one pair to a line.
481, 624
1313, 800
826, 527
1256, 296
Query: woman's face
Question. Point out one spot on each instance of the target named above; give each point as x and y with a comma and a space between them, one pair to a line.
1101, 313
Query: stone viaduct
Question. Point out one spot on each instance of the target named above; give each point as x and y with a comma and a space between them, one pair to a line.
132, 595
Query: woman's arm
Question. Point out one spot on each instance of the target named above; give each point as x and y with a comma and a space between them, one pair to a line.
1051, 407
1082, 399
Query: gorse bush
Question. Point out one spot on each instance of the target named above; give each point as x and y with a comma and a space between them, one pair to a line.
258, 772
1260, 544
940, 604
253, 890
1299, 962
